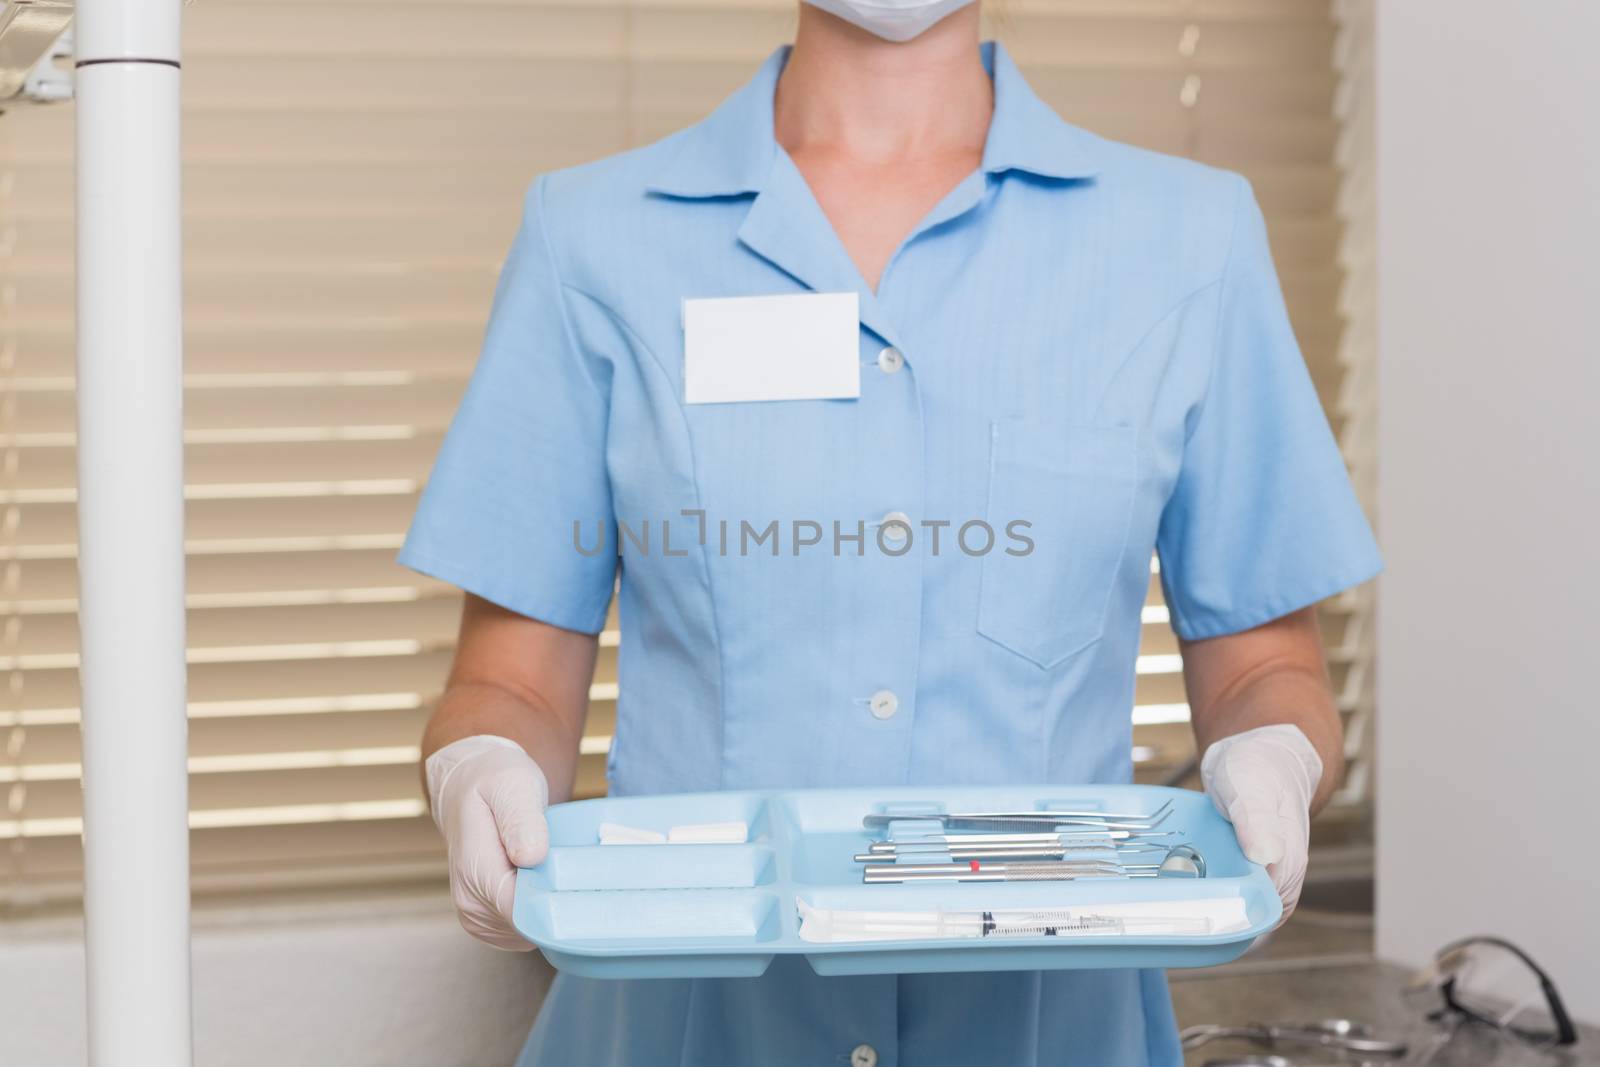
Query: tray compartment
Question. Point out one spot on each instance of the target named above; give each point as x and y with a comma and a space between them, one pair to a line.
941, 957
579, 823
824, 831
1009, 954
624, 867
968, 896
658, 919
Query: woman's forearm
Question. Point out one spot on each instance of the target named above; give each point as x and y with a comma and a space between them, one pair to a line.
1262, 677
1283, 694
551, 738
522, 679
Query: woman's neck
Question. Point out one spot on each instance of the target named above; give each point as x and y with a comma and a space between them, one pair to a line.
845, 92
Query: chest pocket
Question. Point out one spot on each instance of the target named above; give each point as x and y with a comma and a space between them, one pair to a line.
1075, 486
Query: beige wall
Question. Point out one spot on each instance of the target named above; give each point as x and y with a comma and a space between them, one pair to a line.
390, 982
1489, 499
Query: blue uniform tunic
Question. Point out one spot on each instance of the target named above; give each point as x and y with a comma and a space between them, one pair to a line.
1087, 338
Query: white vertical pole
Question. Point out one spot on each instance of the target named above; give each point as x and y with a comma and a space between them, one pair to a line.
130, 533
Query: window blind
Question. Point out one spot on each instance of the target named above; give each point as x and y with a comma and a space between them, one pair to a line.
353, 176
1356, 361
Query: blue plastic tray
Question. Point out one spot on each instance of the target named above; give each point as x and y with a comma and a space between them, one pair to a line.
695, 911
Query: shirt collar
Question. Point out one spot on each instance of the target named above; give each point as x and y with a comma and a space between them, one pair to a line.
731, 151
1026, 134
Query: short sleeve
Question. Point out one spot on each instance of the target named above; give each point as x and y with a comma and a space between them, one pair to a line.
523, 462
1262, 520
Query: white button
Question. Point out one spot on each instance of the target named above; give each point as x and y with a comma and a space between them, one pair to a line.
863, 1056
896, 527
890, 360
883, 704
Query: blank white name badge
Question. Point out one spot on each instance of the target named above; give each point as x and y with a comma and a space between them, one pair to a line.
801, 346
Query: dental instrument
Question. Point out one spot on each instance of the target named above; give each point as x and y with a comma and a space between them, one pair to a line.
876, 819
1086, 836
1342, 1034
1182, 861
1044, 823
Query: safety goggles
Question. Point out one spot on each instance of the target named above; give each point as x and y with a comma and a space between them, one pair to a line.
1489, 981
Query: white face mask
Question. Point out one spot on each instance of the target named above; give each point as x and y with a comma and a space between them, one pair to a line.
893, 20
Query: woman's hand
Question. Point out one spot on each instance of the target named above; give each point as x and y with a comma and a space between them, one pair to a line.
501, 744
488, 799
1262, 781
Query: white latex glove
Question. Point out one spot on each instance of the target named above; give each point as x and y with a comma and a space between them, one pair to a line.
488, 799
1262, 781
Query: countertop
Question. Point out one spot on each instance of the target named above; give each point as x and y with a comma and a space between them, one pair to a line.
1320, 966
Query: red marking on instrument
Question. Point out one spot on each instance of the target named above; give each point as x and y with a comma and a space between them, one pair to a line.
974, 864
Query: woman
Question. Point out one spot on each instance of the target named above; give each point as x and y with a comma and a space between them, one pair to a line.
1063, 339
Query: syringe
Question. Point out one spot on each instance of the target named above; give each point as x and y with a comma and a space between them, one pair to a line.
822, 924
